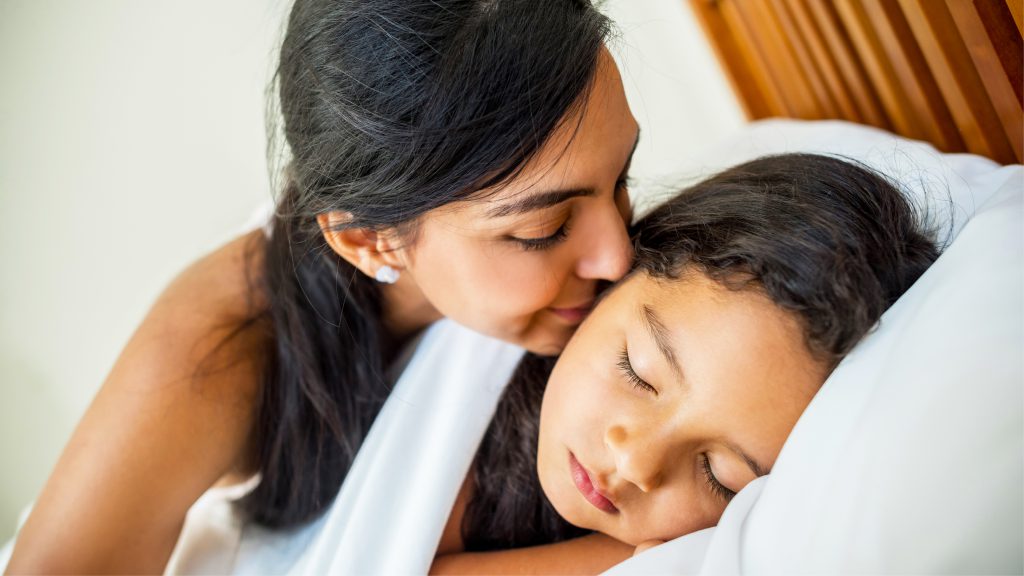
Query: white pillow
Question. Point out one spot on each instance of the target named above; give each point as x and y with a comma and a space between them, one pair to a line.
911, 457
939, 182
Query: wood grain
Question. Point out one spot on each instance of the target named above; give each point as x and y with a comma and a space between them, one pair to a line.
950, 72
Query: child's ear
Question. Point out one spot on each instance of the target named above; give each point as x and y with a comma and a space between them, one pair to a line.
365, 248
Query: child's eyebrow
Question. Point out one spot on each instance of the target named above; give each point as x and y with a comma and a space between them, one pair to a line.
756, 468
660, 334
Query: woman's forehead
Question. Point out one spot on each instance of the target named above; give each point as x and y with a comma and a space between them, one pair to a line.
595, 140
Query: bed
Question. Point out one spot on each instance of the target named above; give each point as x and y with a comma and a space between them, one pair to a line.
911, 458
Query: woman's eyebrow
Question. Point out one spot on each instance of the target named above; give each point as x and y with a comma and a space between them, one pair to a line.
659, 332
632, 152
533, 202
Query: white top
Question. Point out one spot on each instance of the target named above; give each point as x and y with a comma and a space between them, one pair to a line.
395, 502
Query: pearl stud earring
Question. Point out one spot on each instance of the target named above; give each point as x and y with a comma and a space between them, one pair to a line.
387, 275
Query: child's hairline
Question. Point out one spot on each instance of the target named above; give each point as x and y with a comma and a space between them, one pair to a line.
751, 284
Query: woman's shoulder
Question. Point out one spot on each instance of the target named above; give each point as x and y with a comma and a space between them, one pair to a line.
225, 282
209, 326
175, 414
203, 346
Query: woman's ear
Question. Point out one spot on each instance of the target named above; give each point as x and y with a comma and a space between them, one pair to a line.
365, 248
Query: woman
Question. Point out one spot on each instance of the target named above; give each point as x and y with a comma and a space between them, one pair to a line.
464, 159
684, 383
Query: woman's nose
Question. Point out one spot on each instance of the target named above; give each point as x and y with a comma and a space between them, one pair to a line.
637, 461
607, 251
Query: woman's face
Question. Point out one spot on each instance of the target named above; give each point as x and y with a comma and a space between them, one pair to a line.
672, 396
523, 263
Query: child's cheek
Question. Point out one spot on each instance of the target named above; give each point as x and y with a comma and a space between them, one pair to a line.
595, 403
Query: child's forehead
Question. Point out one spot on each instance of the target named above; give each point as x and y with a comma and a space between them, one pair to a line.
720, 336
693, 303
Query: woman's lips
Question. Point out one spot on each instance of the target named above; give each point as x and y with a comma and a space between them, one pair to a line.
572, 315
581, 478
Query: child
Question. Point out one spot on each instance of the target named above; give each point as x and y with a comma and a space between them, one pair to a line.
684, 382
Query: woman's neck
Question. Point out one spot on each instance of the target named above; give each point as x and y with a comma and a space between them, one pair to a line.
406, 311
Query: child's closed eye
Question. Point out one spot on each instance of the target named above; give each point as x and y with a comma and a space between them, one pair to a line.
717, 488
626, 367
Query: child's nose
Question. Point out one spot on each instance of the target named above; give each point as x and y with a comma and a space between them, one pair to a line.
637, 461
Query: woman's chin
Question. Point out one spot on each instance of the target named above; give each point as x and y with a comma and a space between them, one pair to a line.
547, 343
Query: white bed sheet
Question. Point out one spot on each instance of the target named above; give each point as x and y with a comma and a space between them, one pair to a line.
394, 504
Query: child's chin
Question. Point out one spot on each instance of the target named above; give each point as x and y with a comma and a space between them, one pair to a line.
562, 502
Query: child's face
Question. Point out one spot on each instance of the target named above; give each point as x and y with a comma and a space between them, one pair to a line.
634, 462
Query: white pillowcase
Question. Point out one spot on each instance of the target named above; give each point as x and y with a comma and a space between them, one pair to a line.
939, 182
911, 457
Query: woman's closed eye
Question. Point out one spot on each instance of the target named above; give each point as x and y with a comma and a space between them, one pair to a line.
544, 242
626, 367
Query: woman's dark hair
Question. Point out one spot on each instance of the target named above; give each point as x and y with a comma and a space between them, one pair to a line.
391, 109
830, 240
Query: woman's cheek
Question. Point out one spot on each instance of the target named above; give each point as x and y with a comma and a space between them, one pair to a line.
531, 282
513, 291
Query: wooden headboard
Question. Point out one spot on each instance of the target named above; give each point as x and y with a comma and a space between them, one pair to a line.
945, 71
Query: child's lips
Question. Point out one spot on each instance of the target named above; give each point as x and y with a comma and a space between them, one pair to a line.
581, 478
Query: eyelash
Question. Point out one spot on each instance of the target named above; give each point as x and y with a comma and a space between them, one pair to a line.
716, 487
627, 369
530, 244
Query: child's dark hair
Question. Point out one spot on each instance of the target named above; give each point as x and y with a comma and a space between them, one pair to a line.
828, 239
